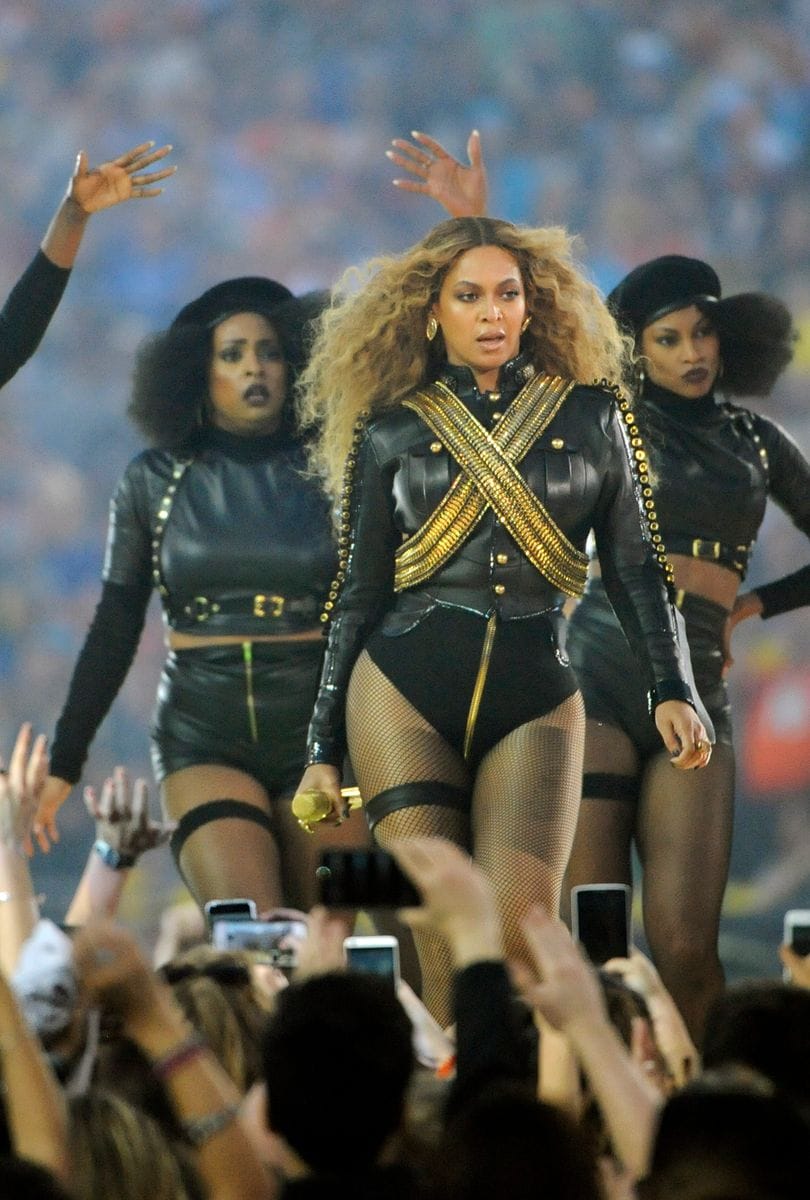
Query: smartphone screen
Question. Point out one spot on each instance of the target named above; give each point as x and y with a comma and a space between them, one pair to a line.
796, 935
601, 920
375, 955
278, 940
235, 908
364, 879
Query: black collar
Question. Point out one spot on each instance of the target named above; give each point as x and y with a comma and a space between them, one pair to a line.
511, 377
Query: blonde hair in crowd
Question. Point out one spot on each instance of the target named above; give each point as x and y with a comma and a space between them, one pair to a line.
371, 349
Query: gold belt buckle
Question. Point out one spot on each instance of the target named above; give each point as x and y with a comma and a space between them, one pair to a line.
260, 603
705, 549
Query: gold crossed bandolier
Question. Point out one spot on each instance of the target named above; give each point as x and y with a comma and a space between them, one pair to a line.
489, 478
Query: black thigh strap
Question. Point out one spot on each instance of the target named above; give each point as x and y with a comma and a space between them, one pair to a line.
408, 795
215, 810
598, 785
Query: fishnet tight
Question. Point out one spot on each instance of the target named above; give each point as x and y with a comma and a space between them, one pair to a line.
524, 801
682, 828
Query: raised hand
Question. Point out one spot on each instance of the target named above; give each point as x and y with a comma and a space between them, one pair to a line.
121, 814
457, 898
96, 188
461, 190
21, 788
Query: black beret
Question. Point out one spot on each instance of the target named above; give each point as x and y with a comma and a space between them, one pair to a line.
248, 293
662, 286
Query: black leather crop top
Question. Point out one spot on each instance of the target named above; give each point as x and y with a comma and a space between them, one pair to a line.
714, 466
235, 539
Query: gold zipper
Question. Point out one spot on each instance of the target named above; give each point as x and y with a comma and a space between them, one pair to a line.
480, 680
247, 654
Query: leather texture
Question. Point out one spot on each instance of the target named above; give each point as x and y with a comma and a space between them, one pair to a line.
245, 546
580, 470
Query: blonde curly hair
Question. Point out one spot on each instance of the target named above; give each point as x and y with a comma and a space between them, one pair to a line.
370, 350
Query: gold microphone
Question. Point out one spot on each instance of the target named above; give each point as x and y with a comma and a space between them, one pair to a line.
311, 806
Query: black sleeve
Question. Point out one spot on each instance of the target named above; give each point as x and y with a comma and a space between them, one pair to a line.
368, 541
102, 666
789, 486
633, 575
492, 1045
28, 311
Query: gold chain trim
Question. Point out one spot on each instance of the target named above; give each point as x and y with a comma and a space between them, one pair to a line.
641, 467
490, 479
179, 469
345, 525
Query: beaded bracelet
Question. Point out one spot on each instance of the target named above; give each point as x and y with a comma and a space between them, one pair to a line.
190, 1048
200, 1129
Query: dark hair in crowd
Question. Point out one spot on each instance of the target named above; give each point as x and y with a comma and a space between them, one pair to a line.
764, 1025
337, 1057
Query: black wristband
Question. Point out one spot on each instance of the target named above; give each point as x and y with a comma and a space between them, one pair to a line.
111, 857
669, 689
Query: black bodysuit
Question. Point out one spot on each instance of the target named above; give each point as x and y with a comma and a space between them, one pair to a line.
236, 541
713, 467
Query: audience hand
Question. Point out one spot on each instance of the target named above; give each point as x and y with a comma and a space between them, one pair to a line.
322, 948
797, 964
115, 977
671, 1034
568, 994
461, 190
96, 188
122, 818
458, 900
21, 788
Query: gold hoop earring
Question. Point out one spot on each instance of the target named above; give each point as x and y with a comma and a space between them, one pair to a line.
525, 325
432, 328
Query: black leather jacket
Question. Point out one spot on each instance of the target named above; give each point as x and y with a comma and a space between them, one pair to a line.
579, 468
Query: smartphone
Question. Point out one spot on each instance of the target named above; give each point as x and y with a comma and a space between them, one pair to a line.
600, 920
232, 909
277, 940
796, 934
377, 954
364, 879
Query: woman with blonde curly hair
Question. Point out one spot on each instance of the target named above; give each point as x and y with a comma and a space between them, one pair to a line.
457, 383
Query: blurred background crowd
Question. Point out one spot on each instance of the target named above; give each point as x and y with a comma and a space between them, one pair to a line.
646, 129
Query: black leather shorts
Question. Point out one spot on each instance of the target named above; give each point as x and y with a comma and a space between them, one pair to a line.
609, 676
213, 706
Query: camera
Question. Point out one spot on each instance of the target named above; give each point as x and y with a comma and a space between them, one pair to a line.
277, 941
600, 921
797, 934
363, 879
374, 955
